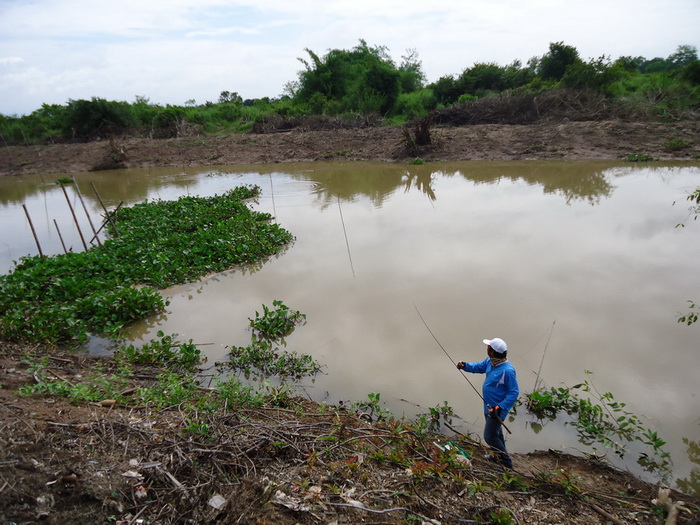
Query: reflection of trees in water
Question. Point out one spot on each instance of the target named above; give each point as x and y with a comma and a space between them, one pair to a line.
420, 181
691, 484
574, 181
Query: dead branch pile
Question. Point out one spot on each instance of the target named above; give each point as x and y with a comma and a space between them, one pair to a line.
510, 108
275, 123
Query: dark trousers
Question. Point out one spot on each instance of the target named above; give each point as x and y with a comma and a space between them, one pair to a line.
493, 435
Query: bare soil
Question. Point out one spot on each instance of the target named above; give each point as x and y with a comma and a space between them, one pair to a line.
299, 463
609, 139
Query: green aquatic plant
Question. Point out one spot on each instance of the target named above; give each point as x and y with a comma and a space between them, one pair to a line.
263, 357
604, 420
164, 351
276, 322
64, 298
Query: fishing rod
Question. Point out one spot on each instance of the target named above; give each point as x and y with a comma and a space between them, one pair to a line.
455, 364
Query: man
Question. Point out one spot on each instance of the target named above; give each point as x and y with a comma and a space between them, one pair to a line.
500, 391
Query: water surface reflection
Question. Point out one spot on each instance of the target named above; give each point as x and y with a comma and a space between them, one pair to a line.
484, 249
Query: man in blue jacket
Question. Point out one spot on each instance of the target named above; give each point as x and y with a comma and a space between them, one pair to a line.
500, 392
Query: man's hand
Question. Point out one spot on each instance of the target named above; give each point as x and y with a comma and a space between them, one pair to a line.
495, 411
460, 365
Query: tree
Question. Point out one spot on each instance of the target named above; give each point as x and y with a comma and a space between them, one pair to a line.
595, 74
554, 63
411, 72
683, 56
481, 78
446, 90
362, 79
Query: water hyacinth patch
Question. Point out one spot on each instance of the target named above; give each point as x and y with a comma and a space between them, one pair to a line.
64, 298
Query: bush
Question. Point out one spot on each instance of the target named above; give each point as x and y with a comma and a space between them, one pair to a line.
87, 119
416, 104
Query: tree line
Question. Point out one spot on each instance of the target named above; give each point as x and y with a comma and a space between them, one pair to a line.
365, 80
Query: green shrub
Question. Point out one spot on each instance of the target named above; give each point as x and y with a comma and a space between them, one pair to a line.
96, 118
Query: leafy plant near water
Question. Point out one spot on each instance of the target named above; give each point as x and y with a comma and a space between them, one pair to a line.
263, 357
692, 316
605, 421
164, 351
639, 157
277, 322
64, 298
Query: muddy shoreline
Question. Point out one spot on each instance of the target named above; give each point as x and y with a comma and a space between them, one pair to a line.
568, 140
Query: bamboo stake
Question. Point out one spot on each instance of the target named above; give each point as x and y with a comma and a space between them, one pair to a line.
75, 219
80, 196
104, 223
31, 225
60, 237
105, 209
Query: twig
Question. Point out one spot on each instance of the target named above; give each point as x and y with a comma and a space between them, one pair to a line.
537, 379
605, 514
383, 511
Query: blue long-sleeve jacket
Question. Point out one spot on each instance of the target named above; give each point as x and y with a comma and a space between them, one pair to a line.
500, 385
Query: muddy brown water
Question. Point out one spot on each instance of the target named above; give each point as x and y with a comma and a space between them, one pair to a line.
584, 259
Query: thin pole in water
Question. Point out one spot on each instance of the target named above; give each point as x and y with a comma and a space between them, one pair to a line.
107, 215
75, 219
87, 214
60, 237
272, 192
31, 225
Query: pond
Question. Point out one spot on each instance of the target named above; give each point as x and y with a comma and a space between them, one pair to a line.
579, 266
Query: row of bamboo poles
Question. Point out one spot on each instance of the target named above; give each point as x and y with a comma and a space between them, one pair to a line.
95, 236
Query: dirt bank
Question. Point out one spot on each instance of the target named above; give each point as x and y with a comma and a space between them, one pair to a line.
295, 463
612, 139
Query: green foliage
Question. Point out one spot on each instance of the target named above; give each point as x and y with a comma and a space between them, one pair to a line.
596, 74
676, 144
62, 299
437, 416
262, 357
363, 79
557, 60
278, 322
96, 118
366, 80
639, 157
691, 73
372, 408
446, 90
164, 351
605, 421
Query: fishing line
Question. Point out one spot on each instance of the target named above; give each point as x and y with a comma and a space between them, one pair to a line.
346, 237
448, 355
455, 364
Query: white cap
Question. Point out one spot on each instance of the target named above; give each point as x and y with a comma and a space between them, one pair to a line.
498, 345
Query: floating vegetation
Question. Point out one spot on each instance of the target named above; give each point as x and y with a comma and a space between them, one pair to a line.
263, 357
62, 299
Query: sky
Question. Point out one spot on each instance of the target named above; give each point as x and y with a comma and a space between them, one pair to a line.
175, 51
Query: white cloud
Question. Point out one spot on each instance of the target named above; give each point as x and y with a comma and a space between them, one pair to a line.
174, 50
